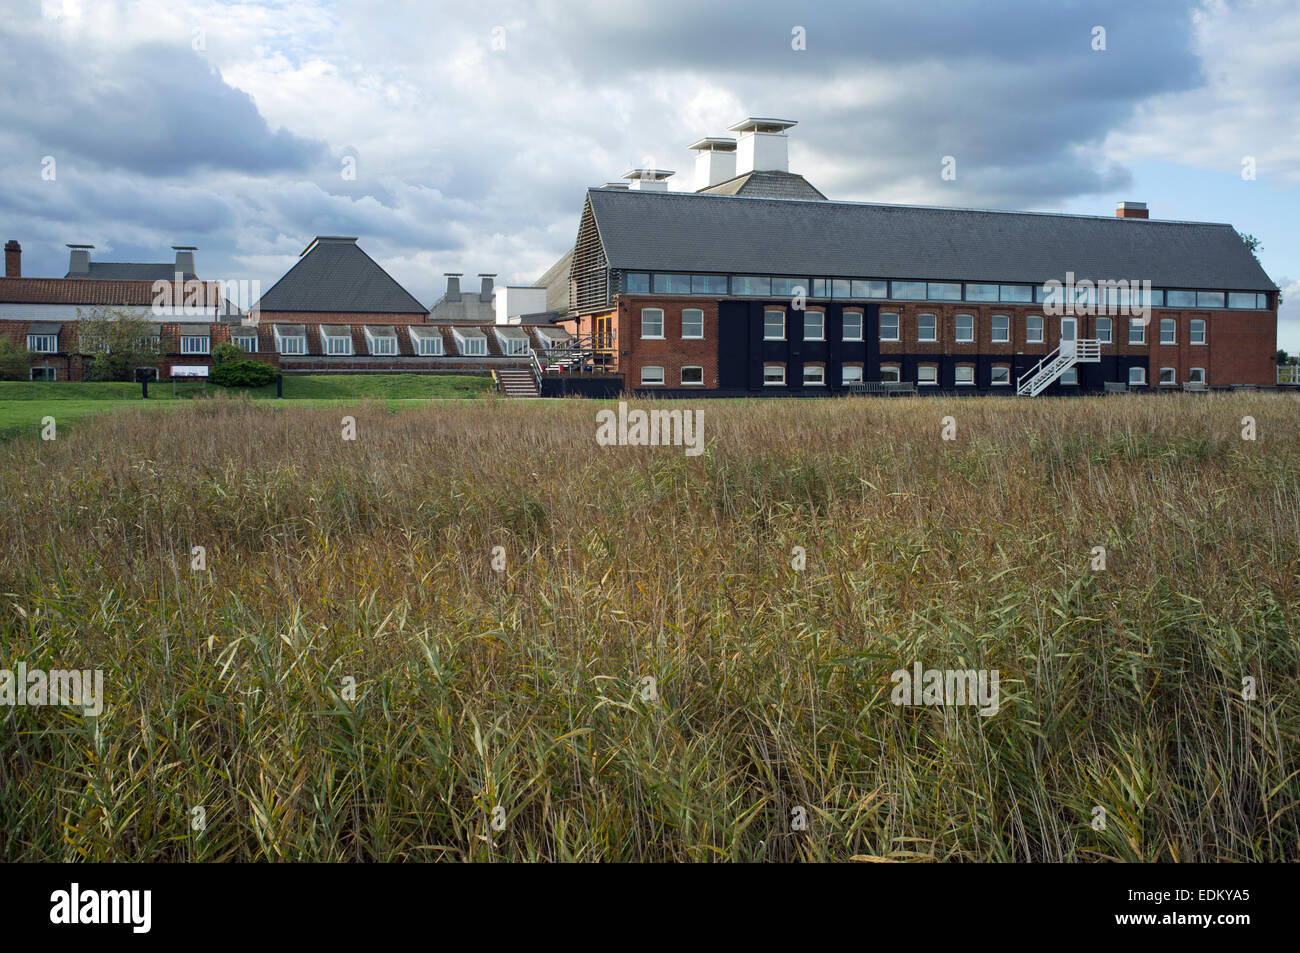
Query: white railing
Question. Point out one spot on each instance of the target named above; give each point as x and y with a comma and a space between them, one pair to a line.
1069, 352
1288, 373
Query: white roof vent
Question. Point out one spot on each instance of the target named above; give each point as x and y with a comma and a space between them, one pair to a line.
715, 161
648, 180
763, 145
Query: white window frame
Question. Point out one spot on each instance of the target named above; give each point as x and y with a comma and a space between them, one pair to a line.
513, 345
932, 369
326, 342
993, 375
1138, 330
1006, 331
1173, 377
691, 367
773, 367
1031, 322
1074, 376
861, 322
935, 328
1141, 373
469, 344
376, 342
299, 345
244, 340
766, 335
645, 317
957, 331
433, 338
898, 324
1106, 323
692, 337
1191, 332
819, 371
652, 382
821, 334
957, 375
1196, 375
845, 377
1173, 331
188, 346
36, 346
891, 373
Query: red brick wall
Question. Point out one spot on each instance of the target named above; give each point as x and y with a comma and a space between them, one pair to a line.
672, 353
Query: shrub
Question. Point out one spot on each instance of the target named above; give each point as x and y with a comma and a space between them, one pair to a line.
14, 361
242, 374
227, 351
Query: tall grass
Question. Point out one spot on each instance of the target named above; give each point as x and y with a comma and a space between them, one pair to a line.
525, 689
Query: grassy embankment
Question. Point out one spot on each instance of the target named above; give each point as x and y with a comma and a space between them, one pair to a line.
524, 690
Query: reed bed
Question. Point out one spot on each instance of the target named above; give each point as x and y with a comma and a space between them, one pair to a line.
351, 679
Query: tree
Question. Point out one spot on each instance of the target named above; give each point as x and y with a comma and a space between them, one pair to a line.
14, 361
118, 341
1284, 358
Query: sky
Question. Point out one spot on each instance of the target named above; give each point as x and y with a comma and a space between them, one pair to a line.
461, 136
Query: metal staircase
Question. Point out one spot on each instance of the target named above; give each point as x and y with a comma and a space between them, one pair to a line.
1049, 369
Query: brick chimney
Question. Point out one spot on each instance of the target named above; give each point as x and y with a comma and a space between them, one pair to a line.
13, 259
1131, 210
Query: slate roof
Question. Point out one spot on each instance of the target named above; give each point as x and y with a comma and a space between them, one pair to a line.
129, 271
334, 274
767, 185
668, 231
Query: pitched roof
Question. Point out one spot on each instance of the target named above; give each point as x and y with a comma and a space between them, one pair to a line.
130, 271
92, 291
334, 274
468, 310
556, 282
767, 185
677, 231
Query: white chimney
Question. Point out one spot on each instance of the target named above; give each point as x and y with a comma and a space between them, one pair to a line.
185, 258
79, 261
715, 161
648, 180
763, 145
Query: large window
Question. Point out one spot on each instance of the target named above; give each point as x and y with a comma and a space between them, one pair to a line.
1034, 329
195, 344
888, 327
652, 375
814, 326
637, 282
926, 327
1103, 330
1197, 331
889, 374
965, 375
692, 324
692, 376
652, 323
943, 291
788, 287
708, 284
965, 328
908, 290
1180, 299
1168, 331
773, 375
850, 373
1137, 376
751, 285
927, 374
1137, 331
1209, 299
981, 292
852, 326
774, 326
1020, 293
672, 284
814, 375
1001, 375
43, 343
870, 289
1001, 328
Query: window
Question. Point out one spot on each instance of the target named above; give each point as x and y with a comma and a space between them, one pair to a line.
904, 290
927, 374
814, 375
841, 288
470, 342
889, 327
774, 326
1001, 329
1023, 293
943, 291
381, 343
1197, 335
514, 341
1034, 329
1103, 330
1196, 375
1167, 376
291, 343
1209, 299
1070, 375
637, 282
926, 327
1137, 331
789, 286
820, 288
773, 375
1137, 376
692, 376
852, 326
965, 375
870, 289
965, 328
195, 344
692, 324
672, 284
43, 343
427, 342
708, 284
652, 375
247, 341
1238, 300
1261, 300
652, 323
889, 374
1001, 375
814, 326
751, 285
1180, 299
981, 292
1168, 331
44, 374
850, 373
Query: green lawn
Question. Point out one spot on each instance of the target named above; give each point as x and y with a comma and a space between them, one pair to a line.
23, 404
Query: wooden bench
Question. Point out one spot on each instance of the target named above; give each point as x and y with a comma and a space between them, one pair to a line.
1114, 387
881, 387
1196, 386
